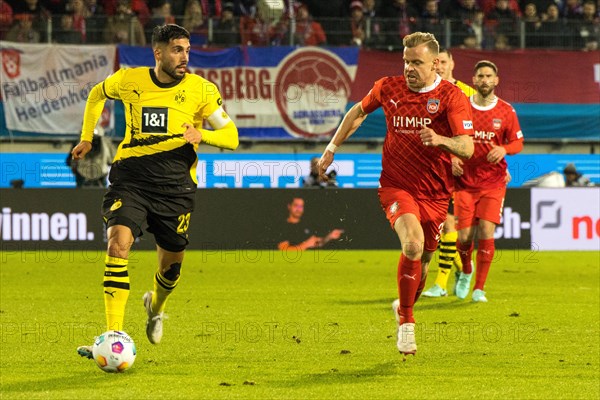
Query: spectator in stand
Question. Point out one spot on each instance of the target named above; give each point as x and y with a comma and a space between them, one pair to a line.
488, 6
503, 21
160, 15
308, 32
6, 18
66, 33
23, 31
138, 7
79, 14
375, 38
431, 21
540, 5
213, 8
194, 22
260, 29
369, 9
39, 16
502, 42
533, 22
403, 20
462, 18
95, 22
572, 10
553, 32
470, 42
227, 32
478, 33
588, 29
118, 26
358, 24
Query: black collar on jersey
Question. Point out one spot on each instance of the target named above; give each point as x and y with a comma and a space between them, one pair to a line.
159, 83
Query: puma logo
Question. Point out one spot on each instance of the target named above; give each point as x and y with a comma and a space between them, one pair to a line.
139, 94
112, 294
395, 103
413, 277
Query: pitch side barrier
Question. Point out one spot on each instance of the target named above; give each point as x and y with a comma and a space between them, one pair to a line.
54, 220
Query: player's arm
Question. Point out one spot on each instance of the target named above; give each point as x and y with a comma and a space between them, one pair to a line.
460, 146
352, 120
224, 133
350, 123
107, 89
514, 145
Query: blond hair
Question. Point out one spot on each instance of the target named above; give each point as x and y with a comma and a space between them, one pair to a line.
418, 38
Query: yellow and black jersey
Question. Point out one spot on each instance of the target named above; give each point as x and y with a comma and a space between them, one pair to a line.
466, 89
154, 155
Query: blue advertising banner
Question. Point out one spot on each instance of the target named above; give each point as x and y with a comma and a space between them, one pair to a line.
274, 170
275, 92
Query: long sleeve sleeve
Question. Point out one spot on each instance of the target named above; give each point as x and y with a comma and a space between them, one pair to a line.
93, 109
225, 137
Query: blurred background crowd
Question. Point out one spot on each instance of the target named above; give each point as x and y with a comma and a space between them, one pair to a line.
378, 24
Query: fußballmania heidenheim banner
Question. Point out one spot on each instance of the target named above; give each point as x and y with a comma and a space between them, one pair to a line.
273, 92
45, 87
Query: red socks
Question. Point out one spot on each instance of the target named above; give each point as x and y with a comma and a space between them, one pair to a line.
409, 281
465, 251
485, 255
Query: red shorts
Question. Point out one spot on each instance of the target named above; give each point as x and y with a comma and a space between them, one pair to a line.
431, 213
470, 207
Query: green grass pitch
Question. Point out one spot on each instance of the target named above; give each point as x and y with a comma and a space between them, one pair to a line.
314, 325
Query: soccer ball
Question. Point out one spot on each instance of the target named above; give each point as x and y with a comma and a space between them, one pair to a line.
114, 351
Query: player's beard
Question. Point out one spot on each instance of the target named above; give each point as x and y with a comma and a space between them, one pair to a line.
173, 73
485, 91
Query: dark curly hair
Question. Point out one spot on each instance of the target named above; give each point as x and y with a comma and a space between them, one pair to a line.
165, 33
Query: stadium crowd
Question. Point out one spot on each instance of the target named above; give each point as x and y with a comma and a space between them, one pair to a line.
477, 24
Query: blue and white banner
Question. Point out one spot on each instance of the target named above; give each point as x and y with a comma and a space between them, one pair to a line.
45, 87
279, 170
275, 92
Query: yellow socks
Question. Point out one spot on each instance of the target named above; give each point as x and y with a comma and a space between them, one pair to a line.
116, 291
447, 255
163, 286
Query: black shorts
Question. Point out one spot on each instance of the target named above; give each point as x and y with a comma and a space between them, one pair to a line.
168, 218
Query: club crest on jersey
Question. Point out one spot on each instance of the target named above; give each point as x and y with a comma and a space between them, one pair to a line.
433, 105
497, 122
180, 97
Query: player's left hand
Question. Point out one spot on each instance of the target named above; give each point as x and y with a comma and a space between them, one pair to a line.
429, 138
457, 166
496, 154
191, 134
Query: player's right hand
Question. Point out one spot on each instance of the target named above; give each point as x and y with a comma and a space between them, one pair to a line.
457, 169
81, 150
191, 134
324, 163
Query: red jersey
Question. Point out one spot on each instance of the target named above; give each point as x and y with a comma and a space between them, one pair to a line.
496, 124
424, 172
